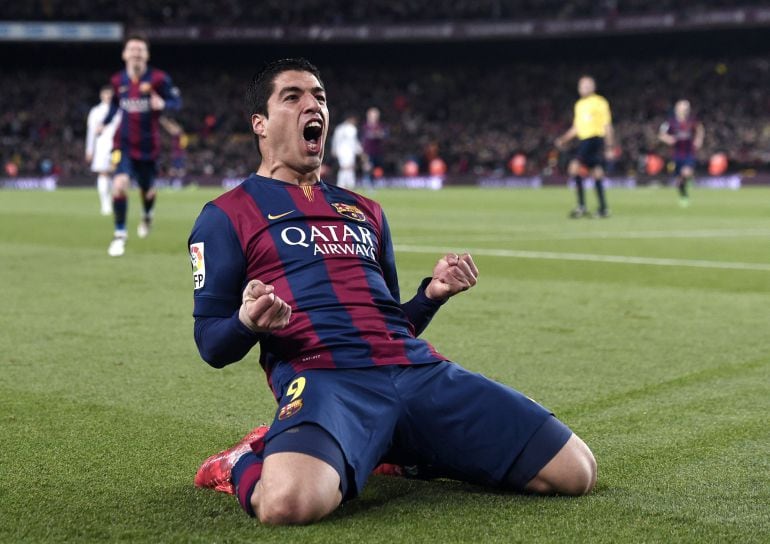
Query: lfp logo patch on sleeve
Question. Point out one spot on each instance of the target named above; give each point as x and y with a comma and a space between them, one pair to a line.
198, 265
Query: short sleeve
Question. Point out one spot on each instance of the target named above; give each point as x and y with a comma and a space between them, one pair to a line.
169, 92
607, 112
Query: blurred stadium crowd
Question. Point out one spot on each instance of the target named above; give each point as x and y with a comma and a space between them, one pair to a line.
475, 116
309, 12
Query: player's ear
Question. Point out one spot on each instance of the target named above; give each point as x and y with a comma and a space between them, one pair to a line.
258, 124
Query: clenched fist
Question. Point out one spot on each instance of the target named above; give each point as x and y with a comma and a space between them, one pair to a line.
452, 274
261, 310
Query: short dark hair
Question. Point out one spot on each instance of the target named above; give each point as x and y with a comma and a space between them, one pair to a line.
263, 82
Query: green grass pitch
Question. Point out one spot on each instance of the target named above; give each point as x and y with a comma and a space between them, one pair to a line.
658, 356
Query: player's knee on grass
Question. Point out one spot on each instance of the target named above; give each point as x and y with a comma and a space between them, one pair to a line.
303, 477
572, 471
573, 169
295, 489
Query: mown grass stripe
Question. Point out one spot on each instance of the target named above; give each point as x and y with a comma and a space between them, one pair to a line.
590, 257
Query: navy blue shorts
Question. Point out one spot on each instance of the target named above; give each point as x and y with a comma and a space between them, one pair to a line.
681, 162
459, 423
143, 172
590, 152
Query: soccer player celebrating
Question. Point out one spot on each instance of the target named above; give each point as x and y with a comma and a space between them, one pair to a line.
99, 147
685, 133
592, 125
141, 93
307, 271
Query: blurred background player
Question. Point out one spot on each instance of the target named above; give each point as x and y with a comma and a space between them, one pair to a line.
99, 147
592, 125
345, 148
685, 133
142, 93
179, 142
373, 136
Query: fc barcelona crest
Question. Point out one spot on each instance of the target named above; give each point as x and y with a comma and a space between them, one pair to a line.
349, 211
290, 409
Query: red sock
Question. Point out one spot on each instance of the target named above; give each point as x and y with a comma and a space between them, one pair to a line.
246, 473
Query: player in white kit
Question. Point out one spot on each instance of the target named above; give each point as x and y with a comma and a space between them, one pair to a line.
99, 147
345, 148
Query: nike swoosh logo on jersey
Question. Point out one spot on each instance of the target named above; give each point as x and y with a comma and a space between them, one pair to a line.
271, 217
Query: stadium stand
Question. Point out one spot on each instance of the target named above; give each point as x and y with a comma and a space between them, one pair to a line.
473, 112
307, 12
478, 119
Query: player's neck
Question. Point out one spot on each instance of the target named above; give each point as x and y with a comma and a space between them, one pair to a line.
285, 173
136, 71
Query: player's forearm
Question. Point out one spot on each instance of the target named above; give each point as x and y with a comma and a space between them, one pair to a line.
223, 340
700, 134
420, 309
609, 136
172, 103
567, 136
90, 141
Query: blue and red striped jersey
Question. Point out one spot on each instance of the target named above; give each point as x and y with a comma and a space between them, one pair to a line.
328, 253
139, 132
684, 133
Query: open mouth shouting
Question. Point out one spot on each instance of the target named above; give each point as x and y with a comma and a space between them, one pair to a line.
313, 135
